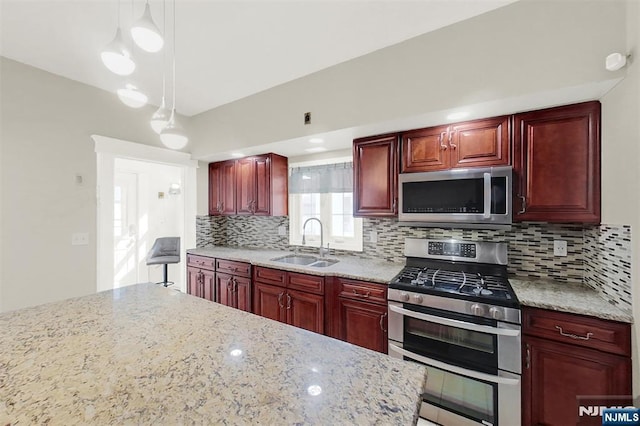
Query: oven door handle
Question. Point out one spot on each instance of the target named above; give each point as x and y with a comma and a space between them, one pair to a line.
487, 196
454, 369
455, 323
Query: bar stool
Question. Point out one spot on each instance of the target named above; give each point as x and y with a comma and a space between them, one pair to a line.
165, 250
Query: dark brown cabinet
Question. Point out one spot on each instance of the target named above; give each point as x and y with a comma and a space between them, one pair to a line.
567, 356
478, 143
256, 185
557, 164
222, 188
292, 298
233, 284
362, 309
375, 180
201, 277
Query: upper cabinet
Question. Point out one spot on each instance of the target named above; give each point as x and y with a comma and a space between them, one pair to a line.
222, 188
375, 180
557, 164
256, 185
478, 143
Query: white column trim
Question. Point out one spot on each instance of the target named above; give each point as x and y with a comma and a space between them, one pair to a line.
126, 149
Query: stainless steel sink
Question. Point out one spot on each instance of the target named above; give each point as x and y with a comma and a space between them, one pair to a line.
297, 259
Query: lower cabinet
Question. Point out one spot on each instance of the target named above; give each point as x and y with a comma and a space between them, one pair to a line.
234, 291
572, 360
363, 314
292, 298
201, 277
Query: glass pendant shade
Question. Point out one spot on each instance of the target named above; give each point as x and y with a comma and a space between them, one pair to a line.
173, 136
117, 57
146, 34
132, 97
160, 118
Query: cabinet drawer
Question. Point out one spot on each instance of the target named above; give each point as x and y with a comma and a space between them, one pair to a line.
269, 276
303, 282
360, 290
201, 262
234, 268
607, 336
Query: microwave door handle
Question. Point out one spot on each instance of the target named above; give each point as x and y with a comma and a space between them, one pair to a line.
487, 196
452, 368
455, 323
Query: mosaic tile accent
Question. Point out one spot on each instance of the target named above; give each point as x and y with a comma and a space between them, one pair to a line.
607, 253
210, 231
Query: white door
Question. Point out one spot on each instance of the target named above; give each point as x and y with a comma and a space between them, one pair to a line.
125, 229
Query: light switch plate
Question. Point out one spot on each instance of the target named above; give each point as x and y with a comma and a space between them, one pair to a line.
282, 230
559, 248
80, 239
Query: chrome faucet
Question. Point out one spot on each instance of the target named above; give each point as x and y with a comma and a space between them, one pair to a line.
323, 250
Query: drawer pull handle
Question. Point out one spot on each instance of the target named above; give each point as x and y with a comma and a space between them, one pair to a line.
382, 317
364, 296
573, 336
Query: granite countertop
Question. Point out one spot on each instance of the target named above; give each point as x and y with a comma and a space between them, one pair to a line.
566, 297
146, 354
347, 267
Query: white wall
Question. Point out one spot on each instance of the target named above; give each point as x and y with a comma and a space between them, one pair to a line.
620, 160
45, 128
527, 47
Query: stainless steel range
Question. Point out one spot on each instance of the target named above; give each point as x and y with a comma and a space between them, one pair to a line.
452, 309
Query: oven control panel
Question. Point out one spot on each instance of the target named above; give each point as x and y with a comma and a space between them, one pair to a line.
446, 248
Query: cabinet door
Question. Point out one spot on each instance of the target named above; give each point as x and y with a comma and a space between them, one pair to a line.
363, 324
554, 374
425, 150
245, 185
557, 164
215, 197
194, 281
480, 143
208, 285
224, 289
262, 193
242, 290
268, 301
305, 310
375, 180
227, 187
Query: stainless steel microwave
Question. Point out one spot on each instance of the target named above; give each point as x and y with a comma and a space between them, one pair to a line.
466, 198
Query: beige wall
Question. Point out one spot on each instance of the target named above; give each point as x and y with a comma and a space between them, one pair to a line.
45, 128
620, 160
527, 47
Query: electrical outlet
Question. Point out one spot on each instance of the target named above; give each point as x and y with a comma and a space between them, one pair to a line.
80, 239
559, 248
282, 230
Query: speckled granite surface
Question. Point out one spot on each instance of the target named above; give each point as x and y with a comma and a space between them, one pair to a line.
566, 297
347, 267
112, 358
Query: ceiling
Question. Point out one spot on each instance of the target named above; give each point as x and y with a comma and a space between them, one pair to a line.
225, 50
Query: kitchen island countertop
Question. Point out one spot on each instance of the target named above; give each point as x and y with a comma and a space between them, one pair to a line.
145, 354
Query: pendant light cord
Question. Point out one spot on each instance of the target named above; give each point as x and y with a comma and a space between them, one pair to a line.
174, 56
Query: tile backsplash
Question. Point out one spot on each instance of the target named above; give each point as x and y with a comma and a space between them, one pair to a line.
599, 256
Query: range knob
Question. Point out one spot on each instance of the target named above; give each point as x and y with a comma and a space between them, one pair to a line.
478, 309
496, 313
417, 298
404, 296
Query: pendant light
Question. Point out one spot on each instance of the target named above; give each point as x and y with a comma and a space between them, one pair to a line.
132, 97
173, 135
116, 56
160, 118
146, 33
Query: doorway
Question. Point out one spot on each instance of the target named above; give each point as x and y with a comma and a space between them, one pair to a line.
143, 193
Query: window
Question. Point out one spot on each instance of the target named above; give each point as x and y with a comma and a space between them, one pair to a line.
324, 192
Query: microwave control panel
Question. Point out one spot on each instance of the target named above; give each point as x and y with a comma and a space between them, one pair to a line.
442, 248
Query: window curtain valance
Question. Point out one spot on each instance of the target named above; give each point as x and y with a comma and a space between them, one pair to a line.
321, 179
